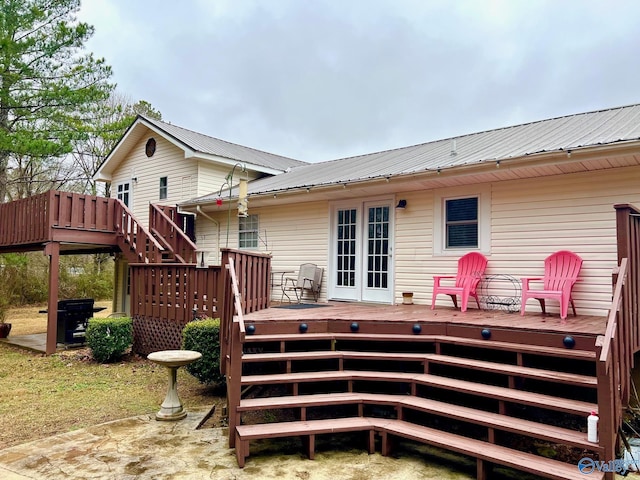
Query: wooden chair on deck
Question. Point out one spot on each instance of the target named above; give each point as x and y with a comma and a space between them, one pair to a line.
309, 279
561, 271
471, 267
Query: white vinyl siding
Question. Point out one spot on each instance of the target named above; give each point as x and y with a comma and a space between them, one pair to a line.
212, 176
293, 234
167, 161
530, 219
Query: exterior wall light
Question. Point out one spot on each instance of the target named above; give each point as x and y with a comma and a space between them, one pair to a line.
402, 204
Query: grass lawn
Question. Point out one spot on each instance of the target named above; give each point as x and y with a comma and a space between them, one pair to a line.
42, 396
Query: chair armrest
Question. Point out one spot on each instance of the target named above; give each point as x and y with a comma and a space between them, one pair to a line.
437, 278
525, 281
288, 280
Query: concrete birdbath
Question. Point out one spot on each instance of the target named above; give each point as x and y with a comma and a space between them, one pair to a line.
173, 359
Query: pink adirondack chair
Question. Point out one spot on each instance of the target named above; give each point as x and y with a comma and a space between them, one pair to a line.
561, 271
471, 267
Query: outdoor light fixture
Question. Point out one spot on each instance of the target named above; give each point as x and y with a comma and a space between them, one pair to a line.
402, 204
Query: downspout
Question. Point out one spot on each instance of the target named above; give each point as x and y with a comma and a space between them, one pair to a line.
217, 224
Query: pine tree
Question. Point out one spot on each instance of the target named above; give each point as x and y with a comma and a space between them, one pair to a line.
47, 83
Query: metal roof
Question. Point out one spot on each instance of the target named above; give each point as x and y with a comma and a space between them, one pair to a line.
603, 127
205, 144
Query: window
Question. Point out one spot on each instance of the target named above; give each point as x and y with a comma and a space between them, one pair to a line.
462, 220
248, 231
461, 223
163, 188
123, 193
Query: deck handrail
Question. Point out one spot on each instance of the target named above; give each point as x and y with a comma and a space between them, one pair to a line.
612, 318
614, 364
233, 351
237, 299
177, 241
32, 220
147, 249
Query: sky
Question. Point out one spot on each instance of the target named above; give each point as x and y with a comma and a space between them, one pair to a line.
324, 79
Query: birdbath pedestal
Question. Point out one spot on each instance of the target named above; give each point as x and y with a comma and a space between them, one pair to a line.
173, 359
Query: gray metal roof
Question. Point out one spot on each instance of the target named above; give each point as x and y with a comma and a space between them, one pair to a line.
213, 146
603, 127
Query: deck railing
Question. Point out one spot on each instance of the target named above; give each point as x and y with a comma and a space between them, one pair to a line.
86, 212
231, 349
628, 233
176, 240
615, 361
165, 296
252, 276
31, 220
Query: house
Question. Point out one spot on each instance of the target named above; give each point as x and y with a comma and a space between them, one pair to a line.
515, 194
202, 226
159, 163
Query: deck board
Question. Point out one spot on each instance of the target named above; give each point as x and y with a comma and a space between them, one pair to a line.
580, 324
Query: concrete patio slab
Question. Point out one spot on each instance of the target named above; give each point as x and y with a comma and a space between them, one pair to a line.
144, 448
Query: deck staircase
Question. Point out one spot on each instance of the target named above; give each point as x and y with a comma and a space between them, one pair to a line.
501, 402
163, 242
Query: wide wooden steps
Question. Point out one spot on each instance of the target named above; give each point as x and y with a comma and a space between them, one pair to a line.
575, 407
442, 409
425, 359
387, 428
476, 397
438, 339
483, 451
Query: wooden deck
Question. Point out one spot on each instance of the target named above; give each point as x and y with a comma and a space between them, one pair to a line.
393, 371
588, 325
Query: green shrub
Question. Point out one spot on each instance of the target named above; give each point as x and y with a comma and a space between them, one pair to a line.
204, 336
108, 338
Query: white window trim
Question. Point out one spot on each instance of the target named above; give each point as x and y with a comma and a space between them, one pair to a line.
483, 192
257, 232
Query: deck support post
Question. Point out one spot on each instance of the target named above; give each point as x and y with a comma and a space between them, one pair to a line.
52, 250
481, 469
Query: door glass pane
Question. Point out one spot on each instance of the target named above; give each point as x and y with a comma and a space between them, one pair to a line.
378, 246
346, 248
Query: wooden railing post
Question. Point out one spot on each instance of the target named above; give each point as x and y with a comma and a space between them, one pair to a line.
234, 367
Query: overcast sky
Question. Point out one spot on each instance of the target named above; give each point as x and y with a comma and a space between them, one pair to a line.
324, 79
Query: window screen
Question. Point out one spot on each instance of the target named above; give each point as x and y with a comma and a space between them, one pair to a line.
462, 222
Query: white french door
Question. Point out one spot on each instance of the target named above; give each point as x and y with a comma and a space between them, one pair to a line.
361, 250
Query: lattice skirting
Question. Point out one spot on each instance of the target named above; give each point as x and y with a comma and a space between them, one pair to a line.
152, 335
